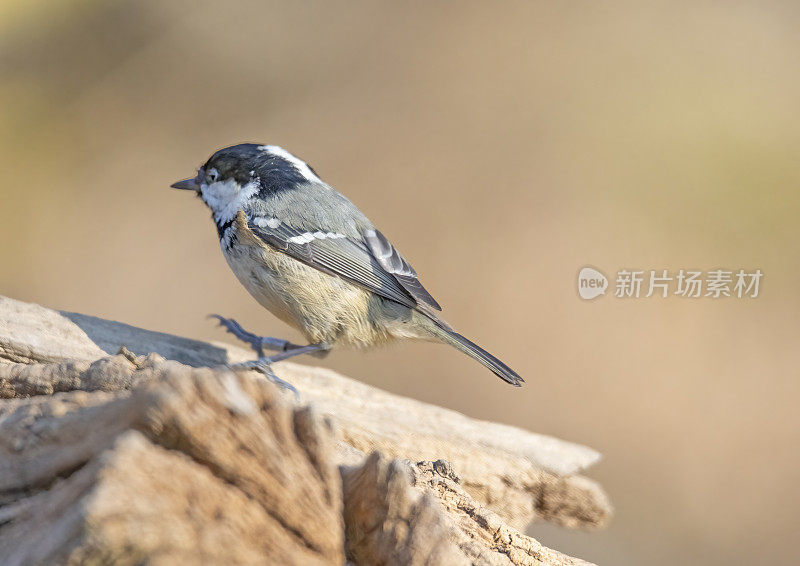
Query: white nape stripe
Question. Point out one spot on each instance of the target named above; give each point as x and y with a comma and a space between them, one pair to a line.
301, 165
307, 237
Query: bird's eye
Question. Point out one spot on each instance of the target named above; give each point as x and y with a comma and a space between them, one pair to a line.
212, 175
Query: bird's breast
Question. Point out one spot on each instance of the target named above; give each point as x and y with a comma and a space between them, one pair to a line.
258, 276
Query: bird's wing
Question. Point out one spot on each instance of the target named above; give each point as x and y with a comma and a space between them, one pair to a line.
367, 262
332, 253
391, 260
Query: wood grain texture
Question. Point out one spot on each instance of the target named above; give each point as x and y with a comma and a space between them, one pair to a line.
117, 445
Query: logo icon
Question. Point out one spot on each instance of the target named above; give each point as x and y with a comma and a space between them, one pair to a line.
591, 283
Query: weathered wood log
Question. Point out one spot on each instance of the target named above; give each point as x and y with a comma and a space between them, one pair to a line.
425, 517
75, 410
196, 466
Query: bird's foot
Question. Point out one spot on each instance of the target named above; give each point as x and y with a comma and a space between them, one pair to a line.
258, 343
263, 366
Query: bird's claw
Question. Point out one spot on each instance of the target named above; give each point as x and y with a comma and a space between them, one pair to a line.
263, 366
258, 343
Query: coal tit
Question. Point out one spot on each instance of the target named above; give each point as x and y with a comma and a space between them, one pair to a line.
309, 256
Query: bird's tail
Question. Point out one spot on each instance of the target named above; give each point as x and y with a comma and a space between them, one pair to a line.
474, 351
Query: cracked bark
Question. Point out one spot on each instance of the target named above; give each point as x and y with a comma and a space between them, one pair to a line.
138, 457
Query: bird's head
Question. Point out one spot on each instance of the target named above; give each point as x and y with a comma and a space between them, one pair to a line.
235, 175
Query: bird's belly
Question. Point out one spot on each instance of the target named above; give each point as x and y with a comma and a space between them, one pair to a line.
323, 307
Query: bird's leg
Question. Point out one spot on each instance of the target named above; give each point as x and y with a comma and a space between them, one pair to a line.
263, 364
258, 343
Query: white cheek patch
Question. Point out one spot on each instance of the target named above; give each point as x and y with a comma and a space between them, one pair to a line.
299, 164
226, 198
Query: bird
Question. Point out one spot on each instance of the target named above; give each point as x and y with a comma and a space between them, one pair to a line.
312, 258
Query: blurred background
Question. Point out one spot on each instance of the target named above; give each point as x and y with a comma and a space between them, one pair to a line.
502, 147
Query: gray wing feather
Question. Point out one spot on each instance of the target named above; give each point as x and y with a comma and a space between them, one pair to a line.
391, 260
341, 256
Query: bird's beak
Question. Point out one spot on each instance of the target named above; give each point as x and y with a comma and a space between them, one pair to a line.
187, 185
